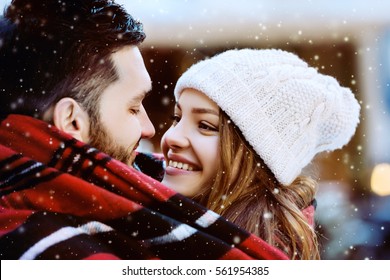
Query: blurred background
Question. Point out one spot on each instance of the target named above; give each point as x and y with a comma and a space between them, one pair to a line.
348, 39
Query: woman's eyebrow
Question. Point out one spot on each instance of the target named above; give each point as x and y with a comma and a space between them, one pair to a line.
204, 111
200, 110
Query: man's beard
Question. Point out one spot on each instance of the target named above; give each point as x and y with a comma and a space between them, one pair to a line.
101, 140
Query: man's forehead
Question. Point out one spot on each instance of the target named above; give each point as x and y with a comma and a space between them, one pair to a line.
133, 76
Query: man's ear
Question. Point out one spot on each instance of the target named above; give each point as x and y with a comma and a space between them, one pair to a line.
69, 117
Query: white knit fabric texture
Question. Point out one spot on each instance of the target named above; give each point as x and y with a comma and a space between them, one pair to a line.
285, 109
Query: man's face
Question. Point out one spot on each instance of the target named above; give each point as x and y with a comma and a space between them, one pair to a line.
122, 119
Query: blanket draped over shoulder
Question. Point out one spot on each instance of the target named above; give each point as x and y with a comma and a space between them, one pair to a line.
63, 199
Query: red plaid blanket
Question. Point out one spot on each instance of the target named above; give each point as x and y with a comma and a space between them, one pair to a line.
63, 199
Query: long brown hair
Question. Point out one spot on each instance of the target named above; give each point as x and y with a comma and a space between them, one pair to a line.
247, 193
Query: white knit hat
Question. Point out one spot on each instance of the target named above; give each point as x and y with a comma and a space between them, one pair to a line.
285, 109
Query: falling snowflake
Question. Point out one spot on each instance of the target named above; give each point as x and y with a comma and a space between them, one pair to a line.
267, 215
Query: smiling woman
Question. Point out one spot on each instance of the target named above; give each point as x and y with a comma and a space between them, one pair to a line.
246, 123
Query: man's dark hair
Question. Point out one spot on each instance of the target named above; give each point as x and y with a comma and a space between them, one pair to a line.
50, 49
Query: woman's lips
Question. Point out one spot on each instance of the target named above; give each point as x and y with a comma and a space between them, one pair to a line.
173, 171
177, 165
180, 162
181, 165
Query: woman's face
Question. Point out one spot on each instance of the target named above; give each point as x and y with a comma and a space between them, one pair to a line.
191, 144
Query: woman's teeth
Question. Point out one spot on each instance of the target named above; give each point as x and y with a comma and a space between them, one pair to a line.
180, 165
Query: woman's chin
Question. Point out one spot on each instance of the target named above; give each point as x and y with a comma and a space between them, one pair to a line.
180, 184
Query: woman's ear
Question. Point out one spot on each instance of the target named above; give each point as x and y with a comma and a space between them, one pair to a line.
69, 117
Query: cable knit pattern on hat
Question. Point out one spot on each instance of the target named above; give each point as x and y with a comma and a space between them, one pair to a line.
285, 109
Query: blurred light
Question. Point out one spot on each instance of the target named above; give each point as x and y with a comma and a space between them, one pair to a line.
380, 179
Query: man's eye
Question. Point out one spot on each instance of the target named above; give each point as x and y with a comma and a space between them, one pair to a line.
135, 111
205, 126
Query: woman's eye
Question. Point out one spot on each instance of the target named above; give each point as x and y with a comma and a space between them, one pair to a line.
175, 119
207, 127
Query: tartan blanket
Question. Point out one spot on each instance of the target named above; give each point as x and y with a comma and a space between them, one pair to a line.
63, 199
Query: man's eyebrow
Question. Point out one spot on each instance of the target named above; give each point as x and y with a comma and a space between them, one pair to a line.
141, 96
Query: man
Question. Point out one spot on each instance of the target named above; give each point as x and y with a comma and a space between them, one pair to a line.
72, 82
87, 77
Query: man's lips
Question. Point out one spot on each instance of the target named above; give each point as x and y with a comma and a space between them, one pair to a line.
136, 146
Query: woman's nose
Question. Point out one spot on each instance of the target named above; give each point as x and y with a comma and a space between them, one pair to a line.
176, 137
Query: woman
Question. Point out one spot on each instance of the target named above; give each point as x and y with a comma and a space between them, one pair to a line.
246, 123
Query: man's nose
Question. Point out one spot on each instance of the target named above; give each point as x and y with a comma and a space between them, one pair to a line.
147, 128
